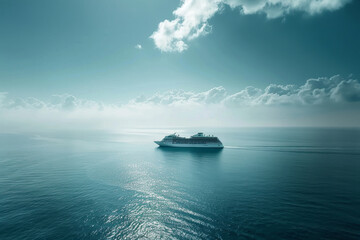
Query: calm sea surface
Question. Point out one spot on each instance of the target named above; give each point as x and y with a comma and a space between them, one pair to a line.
282, 183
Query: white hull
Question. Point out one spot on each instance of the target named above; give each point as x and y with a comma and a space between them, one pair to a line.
208, 145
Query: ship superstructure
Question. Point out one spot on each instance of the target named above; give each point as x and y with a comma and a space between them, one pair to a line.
198, 140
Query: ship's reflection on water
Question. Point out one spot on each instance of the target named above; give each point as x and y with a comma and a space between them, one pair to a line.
195, 153
107, 187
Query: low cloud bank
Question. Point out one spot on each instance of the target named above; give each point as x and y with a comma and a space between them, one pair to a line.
191, 18
314, 91
318, 102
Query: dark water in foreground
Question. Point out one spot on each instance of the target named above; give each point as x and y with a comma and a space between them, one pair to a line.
266, 184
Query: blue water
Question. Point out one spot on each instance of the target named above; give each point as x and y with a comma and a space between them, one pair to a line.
281, 183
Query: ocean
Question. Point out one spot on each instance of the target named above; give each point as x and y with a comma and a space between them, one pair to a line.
267, 183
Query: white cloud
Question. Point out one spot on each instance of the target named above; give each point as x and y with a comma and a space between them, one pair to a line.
179, 97
191, 18
190, 22
138, 46
62, 102
318, 102
314, 91
348, 91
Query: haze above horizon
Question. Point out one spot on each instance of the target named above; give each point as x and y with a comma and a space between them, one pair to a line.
95, 64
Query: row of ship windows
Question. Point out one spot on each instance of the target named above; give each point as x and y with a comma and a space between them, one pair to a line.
197, 141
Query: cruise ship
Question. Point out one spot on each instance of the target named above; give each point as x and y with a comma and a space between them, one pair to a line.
198, 140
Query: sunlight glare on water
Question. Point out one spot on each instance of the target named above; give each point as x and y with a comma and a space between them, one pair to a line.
265, 184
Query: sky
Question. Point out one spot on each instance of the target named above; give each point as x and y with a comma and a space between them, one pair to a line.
226, 62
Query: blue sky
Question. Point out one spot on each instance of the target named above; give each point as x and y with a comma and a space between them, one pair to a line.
87, 48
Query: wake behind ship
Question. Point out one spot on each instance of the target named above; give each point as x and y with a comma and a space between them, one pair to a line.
198, 140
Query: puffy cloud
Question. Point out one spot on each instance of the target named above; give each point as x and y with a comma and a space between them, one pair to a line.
177, 97
18, 103
190, 22
62, 102
318, 102
277, 8
314, 91
244, 97
348, 91
138, 46
191, 18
